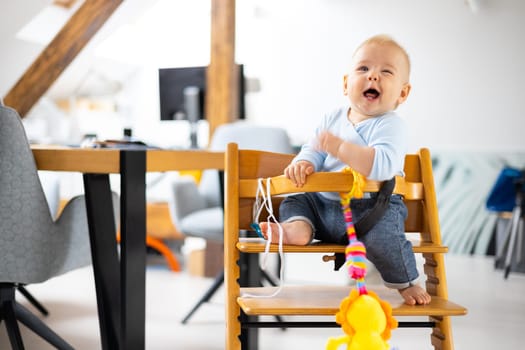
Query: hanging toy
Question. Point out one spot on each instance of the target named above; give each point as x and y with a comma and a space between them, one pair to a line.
366, 319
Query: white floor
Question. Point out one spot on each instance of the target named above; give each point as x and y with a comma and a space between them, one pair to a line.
496, 318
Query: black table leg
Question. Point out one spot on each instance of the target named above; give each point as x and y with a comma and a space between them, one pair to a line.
133, 248
104, 256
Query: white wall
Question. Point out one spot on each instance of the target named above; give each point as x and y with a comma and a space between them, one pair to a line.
466, 76
17, 55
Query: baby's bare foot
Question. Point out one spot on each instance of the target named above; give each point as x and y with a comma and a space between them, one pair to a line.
415, 295
295, 232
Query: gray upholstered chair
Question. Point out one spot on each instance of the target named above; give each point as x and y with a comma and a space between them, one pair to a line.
51, 185
197, 211
33, 245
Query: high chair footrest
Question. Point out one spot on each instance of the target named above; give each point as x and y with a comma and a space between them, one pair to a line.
324, 301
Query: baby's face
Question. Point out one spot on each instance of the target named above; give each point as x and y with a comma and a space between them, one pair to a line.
377, 81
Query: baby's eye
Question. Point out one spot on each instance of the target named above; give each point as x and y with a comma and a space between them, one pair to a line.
362, 69
388, 72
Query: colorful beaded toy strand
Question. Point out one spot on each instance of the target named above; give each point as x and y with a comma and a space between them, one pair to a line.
355, 251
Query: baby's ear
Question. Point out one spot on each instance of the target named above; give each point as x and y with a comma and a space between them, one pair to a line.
405, 91
345, 84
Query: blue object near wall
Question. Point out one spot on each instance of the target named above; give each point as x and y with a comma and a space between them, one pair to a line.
502, 197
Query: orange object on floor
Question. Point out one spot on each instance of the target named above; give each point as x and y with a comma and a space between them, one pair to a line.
163, 249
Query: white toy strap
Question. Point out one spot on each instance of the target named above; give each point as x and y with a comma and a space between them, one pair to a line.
263, 200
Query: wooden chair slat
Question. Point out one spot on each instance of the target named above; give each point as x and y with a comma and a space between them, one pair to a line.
316, 300
257, 245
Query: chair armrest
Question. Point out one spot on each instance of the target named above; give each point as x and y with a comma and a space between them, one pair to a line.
185, 198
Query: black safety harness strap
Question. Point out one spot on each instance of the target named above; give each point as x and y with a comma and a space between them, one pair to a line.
371, 217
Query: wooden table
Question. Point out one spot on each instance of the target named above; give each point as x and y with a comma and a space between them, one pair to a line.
120, 278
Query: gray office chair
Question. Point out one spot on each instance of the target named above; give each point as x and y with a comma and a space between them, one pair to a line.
197, 211
51, 186
33, 246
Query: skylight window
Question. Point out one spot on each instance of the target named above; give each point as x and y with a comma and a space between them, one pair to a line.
48, 22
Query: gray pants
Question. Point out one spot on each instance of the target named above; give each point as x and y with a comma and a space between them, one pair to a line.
386, 244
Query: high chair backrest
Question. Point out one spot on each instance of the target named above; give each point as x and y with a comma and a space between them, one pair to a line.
256, 165
244, 169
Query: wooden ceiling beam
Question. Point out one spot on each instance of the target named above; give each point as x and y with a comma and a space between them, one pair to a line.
222, 86
60, 52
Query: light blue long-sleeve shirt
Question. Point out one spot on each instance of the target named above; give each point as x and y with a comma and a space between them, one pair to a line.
387, 134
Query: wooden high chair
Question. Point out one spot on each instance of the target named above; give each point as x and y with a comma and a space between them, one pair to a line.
243, 168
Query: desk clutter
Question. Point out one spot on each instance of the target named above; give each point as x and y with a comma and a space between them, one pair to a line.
126, 142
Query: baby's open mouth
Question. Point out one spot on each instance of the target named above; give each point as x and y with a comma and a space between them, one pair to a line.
371, 94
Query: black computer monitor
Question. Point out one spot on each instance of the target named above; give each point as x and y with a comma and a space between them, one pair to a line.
174, 81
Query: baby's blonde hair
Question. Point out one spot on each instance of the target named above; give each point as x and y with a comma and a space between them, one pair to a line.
382, 39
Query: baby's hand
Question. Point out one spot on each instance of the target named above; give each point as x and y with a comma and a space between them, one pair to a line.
298, 171
329, 143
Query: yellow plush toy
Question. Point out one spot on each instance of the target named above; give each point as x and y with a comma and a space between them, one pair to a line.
367, 322
366, 319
